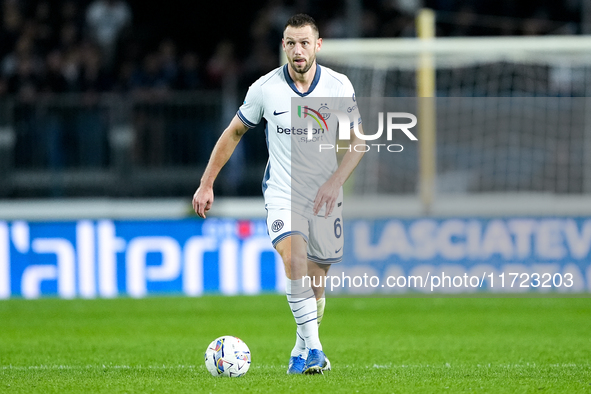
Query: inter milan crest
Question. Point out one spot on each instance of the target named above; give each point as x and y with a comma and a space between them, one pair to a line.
277, 225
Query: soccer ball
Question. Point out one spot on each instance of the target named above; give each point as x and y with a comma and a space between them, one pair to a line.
227, 356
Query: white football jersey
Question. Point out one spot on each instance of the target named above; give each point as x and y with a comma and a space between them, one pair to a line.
297, 165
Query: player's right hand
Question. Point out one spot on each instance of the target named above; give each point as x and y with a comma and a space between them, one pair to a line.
202, 200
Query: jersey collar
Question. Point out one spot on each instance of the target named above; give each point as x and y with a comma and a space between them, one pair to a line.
292, 84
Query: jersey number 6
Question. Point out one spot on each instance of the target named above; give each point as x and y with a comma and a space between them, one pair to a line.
338, 230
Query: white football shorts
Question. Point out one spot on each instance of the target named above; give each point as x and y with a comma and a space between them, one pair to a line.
323, 235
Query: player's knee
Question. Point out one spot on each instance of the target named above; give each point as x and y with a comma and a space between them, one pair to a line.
295, 265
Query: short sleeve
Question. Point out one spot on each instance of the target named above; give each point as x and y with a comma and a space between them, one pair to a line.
251, 111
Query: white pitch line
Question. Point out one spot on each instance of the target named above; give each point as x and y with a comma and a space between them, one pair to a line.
376, 366
79, 367
4, 367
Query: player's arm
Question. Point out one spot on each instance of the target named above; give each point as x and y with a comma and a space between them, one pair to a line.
329, 191
223, 149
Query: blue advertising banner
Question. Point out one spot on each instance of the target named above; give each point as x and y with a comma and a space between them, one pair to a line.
513, 255
106, 258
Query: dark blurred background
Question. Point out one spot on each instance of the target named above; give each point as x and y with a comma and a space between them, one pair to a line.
122, 98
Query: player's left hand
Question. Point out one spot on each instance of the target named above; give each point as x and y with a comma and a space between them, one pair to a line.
327, 194
202, 200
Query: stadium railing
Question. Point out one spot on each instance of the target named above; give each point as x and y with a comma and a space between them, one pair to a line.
74, 145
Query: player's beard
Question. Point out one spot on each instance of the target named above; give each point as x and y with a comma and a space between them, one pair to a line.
306, 68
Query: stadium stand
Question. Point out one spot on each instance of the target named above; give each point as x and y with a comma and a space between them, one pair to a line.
93, 110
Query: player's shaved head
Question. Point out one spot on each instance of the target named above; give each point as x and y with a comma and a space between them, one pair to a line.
302, 20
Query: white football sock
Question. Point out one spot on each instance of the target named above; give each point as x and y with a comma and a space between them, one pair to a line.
300, 346
303, 307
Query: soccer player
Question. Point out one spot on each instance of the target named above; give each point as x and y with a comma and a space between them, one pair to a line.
302, 184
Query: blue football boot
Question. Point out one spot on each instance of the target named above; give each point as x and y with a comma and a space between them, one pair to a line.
296, 365
315, 362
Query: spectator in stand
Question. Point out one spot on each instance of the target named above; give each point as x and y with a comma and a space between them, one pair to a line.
53, 80
261, 60
23, 49
10, 32
150, 87
149, 81
268, 24
69, 37
25, 83
44, 27
107, 22
92, 78
69, 46
168, 60
123, 82
32, 142
52, 121
191, 132
193, 146
336, 26
189, 75
222, 66
91, 125
369, 24
397, 18
70, 13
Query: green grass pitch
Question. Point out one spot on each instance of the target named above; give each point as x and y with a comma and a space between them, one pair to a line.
385, 345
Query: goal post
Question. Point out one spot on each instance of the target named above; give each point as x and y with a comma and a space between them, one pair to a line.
426, 111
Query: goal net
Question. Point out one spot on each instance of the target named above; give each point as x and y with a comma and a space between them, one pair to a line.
512, 113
